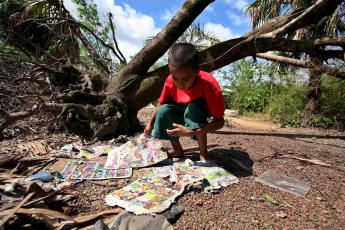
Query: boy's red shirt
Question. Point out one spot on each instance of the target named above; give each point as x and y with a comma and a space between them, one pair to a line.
205, 86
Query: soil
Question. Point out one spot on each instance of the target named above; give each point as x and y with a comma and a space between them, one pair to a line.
242, 205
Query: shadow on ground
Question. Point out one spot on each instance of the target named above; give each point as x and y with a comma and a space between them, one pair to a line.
236, 161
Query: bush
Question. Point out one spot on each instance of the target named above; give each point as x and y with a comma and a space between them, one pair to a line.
286, 107
332, 102
250, 96
321, 121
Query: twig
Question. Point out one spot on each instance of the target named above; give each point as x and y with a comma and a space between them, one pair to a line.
47, 196
46, 212
123, 60
15, 169
13, 211
316, 162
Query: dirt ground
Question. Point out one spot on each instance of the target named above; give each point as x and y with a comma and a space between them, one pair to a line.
243, 205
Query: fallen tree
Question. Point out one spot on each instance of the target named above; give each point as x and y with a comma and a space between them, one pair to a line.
104, 104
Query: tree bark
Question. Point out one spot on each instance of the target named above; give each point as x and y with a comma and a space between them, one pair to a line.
314, 91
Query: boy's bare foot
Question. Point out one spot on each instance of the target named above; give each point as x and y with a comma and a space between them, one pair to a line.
174, 154
177, 151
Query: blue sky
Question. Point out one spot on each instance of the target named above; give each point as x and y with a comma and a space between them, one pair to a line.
227, 13
136, 20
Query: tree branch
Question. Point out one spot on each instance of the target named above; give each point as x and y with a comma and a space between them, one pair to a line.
232, 50
103, 67
82, 97
310, 16
122, 59
10, 118
303, 64
86, 111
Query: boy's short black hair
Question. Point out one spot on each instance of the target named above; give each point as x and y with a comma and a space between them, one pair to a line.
183, 54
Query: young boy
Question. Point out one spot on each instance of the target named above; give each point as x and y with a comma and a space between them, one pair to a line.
189, 96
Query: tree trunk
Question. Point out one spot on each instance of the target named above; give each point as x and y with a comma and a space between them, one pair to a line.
314, 92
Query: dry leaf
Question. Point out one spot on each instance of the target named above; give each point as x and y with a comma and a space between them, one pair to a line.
37, 148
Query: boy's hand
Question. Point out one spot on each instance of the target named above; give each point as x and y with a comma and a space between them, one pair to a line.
148, 129
180, 131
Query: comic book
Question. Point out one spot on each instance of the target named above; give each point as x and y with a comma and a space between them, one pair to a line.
217, 177
92, 170
147, 195
93, 152
140, 152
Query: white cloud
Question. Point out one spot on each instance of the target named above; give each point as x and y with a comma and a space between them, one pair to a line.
220, 31
132, 28
238, 4
71, 7
237, 19
167, 15
209, 9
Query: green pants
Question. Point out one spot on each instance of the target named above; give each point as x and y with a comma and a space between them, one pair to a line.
192, 116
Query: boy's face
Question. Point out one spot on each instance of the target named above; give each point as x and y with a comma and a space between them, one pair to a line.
183, 77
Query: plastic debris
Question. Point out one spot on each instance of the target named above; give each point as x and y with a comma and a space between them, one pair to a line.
43, 175
284, 183
69, 151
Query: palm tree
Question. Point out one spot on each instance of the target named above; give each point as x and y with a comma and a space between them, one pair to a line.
261, 11
197, 35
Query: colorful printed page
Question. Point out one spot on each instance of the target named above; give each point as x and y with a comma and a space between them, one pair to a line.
92, 170
95, 151
140, 152
163, 171
147, 195
217, 177
185, 174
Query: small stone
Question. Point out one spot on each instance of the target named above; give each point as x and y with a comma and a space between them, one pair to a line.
199, 203
319, 198
299, 167
325, 211
236, 206
281, 214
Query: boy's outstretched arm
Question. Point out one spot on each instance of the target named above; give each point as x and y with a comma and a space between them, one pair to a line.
181, 130
150, 124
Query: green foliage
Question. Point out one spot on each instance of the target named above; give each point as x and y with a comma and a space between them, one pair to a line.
250, 96
248, 92
262, 87
9, 7
332, 106
321, 121
89, 16
287, 105
42, 38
